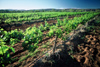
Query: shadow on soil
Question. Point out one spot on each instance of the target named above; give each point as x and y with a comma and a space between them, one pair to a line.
62, 58
59, 60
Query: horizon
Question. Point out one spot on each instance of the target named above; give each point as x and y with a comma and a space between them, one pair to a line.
50, 8
48, 4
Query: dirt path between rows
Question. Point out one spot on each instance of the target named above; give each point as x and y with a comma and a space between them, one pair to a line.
19, 52
31, 24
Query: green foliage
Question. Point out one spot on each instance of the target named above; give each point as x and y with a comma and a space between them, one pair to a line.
9, 18
32, 36
41, 27
46, 25
5, 53
58, 22
13, 41
12, 37
58, 33
1, 31
54, 30
8, 21
65, 20
50, 33
27, 42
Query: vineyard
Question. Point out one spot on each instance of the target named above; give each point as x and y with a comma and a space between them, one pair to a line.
24, 37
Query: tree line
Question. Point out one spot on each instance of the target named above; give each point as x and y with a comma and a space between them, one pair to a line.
49, 10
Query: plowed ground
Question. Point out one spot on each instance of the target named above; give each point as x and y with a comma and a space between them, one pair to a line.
86, 51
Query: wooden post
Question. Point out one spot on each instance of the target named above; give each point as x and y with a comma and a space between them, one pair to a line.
54, 47
86, 24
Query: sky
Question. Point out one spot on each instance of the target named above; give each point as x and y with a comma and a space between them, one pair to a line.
47, 4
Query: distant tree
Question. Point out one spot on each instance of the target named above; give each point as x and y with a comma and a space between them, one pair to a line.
63, 10
53, 10
36, 11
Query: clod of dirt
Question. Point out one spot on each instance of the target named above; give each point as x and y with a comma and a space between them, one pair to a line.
86, 61
68, 43
93, 43
78, 57
94, 39
90, 36
92, 50
86, 49
87, 36
88, 41
83, 53
97, 43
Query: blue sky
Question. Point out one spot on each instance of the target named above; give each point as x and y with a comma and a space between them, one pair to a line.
43, 4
